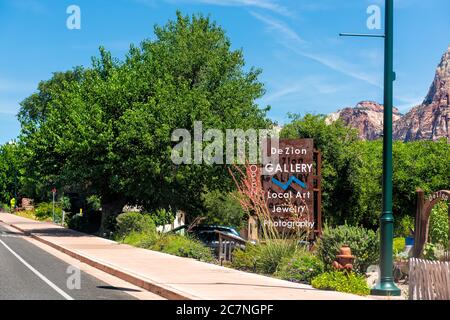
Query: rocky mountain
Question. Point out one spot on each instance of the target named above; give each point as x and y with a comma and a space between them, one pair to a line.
431, 119
428, 121
367, 117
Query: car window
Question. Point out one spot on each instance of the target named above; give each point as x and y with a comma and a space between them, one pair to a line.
208, 236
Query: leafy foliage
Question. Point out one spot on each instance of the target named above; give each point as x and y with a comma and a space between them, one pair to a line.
342, 282
162, 217
44, 211
93, 203
303, 266
223, 209
403, 226
182, 246
134, 222
439, 225
246, 259
399, 245
11, 169
264, 257
363, 243
434, 252
106, 130
352, 170
140, 239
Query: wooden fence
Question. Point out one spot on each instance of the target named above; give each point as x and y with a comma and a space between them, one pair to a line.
429, 280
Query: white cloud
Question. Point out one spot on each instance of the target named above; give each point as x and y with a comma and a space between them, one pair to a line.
292, 41
280, 27
284, 92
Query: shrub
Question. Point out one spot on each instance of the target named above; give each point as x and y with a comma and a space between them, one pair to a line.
438, 232
223, 208
76, 222
134, 222
93, 203
342, 282
246, 259
181, 246
301, 267
363, 243
264, 257
162, 217
65, 204
403, 226
272, 253
434, 252
140, 239
44, 211
399, 245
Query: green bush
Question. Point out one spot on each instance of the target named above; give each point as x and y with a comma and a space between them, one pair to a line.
181, 246
65, 203
162, 217
93, 203
76, 222
301, 267
140, 239
223, 209
363, 243
44, 211
434, 252
246, 259
272, 253
342, 282
264, 257
134, 222
399, 245
438, 233
403, 226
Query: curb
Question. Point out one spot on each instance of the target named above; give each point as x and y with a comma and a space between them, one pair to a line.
151, 286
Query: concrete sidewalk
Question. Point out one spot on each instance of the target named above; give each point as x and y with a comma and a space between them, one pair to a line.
168, 276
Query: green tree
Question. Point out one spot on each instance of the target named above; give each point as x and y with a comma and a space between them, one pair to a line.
106, 130
10, 172
223, 209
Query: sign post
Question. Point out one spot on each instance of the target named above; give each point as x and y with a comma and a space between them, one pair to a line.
289, 186
53, 204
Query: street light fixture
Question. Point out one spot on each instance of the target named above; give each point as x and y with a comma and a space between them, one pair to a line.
386, 285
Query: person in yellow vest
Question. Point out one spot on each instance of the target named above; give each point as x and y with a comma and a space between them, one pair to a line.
13, 204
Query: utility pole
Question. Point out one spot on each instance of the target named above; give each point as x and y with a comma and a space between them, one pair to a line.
53, 204
386, 285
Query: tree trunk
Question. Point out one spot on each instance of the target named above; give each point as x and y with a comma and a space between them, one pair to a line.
112, 206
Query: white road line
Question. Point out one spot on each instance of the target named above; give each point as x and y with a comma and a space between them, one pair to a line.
40, 275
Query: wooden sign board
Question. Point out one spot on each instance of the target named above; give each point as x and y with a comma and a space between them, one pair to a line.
289, 185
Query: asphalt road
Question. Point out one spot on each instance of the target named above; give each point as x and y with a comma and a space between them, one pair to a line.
29, 273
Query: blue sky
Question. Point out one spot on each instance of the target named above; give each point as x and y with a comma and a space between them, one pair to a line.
306, 66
